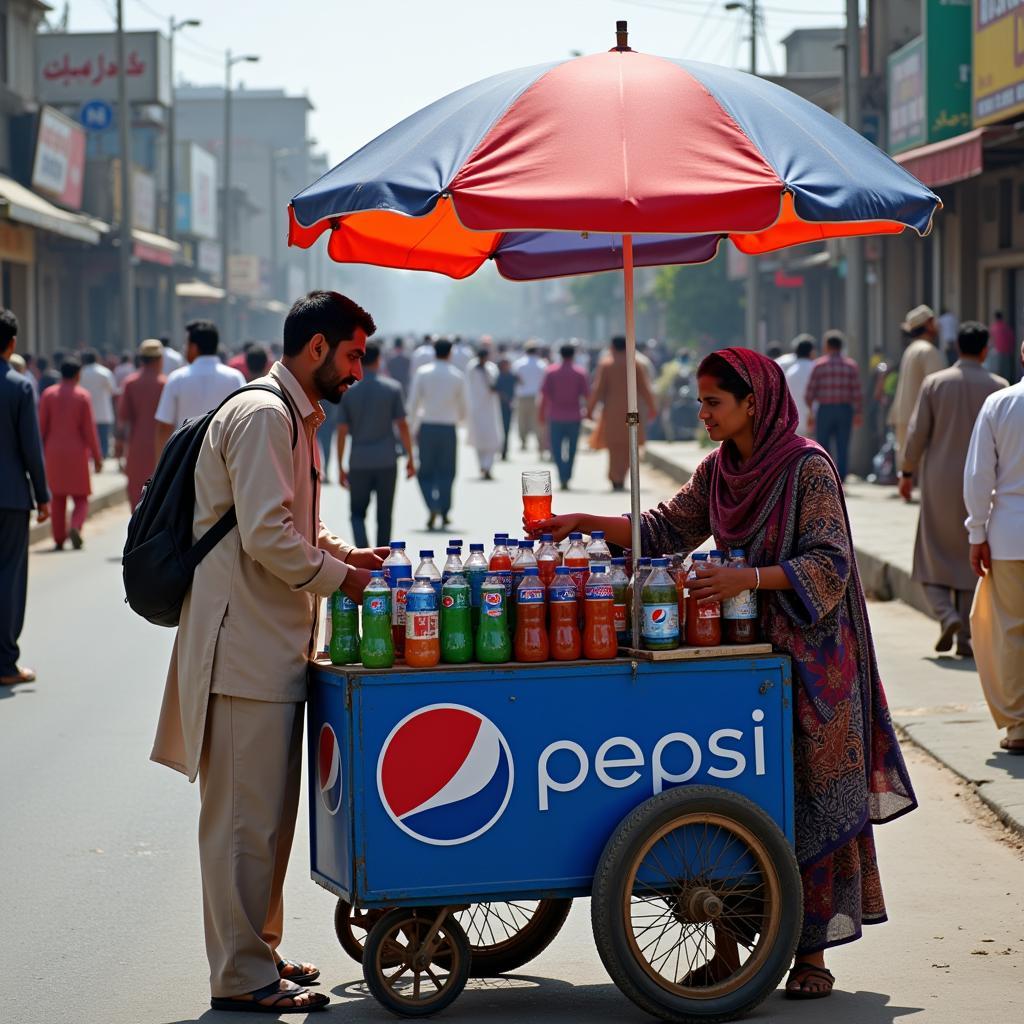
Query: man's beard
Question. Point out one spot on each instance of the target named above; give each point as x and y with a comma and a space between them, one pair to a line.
329, 384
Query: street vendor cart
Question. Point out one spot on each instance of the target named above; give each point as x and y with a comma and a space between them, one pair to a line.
456, 812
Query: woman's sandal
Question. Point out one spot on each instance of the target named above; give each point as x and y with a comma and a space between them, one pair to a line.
802, 972
296, 974
315, 1001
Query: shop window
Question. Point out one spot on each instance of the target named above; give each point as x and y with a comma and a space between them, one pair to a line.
5, 69
989, 200
1006, 213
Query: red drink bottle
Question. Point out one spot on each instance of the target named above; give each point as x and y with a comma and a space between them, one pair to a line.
531, 641
565, 640
599, 639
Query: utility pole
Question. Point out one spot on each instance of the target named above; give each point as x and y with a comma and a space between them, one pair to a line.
128, 339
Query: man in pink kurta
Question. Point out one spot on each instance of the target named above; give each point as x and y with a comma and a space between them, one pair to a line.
69, 438
136, 418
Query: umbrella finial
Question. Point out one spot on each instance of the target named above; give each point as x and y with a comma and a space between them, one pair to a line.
621, 36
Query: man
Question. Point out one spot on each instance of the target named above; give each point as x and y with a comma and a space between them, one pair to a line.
994, 496
834, 387
233, 705
483, 411
257, 360
399, 365
798, 374
529, 370
437, 403
102, 387
949, 330
1003, 346
172, 358
462, 354
197, 388
371, 412
124, 369
136, 418
22, 488
505, 386
69, 440
563, 396
920, 358
936, 450
238, 360
49, 373
788, 359
423, 355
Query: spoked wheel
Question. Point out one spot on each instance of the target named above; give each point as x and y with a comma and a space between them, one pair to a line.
351, 926
697, 905
416, 960
504, 936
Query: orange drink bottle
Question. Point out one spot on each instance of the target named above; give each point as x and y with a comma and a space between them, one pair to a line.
703, 621
579, 566
548, 559
599, 616
565, 640
422, 635
536, 497
531, 638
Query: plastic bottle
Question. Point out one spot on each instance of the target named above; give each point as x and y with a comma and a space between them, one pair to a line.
599, 616
524, 557
740, 612
428, 568
678, 569
398, 576
500, 561
476, 571
492, 640
531, 636
565, 640
548, 559
620, 585
703, 621
579, 565
597, 550
639, 577
422, 633
660, 599
343, 616
456, 621
453, 563
377, 647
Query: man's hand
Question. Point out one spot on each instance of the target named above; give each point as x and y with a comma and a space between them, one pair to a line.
343, 478
906, 487
719, 582
810, 422
355, 583
367, 558
858, 420
42, 511
410, 469
981, 558
98, 465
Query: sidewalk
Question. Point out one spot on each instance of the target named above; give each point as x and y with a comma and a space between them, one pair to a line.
935, 700
108, 489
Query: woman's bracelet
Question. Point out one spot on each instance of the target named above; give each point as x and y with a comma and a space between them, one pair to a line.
757, 578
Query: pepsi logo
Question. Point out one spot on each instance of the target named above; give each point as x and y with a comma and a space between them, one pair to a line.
659, 615
448, 601
376, 604
445, 774
329, 769
493, 598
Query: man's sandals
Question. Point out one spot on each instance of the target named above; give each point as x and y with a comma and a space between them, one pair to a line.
1011, 746
804, 972
301, 974
278, 997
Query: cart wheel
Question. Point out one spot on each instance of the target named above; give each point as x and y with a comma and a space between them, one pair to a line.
413, 968
504, 936
697, 905
351, 926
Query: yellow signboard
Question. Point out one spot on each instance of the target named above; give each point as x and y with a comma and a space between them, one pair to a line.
998, 92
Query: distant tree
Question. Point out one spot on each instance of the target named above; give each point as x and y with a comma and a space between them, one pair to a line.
703, 308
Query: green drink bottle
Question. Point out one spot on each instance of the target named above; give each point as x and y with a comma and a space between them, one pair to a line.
344, 612
493, 644
456, 621
377, 647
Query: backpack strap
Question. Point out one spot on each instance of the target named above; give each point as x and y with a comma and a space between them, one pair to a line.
280, 392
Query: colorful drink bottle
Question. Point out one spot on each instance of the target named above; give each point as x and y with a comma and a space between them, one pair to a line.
660, 600
565, 641
599, 616
597, 550
500, 564
492, 640
524, 558
703, 620
620, 585
640, 574
536, 497
377, 648
531, 636
427, 568
579, 565
398, 576
739, 613
453, 563
343, 616
456, 621
548, 559
476, 572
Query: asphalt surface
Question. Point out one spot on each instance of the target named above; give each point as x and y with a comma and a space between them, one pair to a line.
100, 894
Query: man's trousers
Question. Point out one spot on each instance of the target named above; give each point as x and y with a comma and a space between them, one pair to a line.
361, 484
13, 585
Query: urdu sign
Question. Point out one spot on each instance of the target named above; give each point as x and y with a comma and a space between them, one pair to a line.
998, 35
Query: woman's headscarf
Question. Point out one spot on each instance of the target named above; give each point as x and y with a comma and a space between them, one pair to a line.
740, 494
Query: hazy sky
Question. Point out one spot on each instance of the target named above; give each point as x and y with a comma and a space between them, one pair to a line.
367, 64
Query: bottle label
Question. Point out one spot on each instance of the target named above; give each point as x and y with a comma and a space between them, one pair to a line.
579, 578
376, 605
530, 595
661, 622
493, 604
394, 573
343, 603
421, 625
620, 618
398, 599
505, 575
742, 606
711, 610
476, 581
560, 595
599, 592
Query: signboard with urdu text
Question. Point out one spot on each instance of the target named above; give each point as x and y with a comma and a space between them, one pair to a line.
998, 35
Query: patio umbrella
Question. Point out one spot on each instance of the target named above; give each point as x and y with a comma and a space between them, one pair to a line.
606, 162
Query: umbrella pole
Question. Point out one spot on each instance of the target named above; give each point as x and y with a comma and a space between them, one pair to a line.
633, 425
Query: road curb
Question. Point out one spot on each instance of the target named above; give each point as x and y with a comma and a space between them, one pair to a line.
97, 503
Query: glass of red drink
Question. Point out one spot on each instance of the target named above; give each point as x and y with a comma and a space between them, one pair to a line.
536, 497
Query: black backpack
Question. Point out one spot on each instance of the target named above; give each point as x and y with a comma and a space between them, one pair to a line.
159, 557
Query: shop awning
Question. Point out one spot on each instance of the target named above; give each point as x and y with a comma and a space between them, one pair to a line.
199, 290
153, 248
952, 160
275, 306
23, 205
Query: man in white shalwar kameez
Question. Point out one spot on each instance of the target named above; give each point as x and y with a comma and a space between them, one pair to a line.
484, 412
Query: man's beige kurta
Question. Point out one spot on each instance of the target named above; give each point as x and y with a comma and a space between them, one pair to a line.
920, 358
248, 625
936, 449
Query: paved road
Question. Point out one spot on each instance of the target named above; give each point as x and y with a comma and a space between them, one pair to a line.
100, 894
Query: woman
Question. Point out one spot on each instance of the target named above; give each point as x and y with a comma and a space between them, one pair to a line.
483, 407
777, 495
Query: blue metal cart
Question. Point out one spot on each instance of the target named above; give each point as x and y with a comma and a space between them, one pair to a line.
456, 812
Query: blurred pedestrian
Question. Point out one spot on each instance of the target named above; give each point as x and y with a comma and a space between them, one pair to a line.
257, 362
949, 329
172, 358
422, 356
529, 370
136, 423
563, 398
834, 393
787, 359
936, 452
798, 375
49, 370
462, 354
398, 365
22, 487
994, 496
238, 360
371, 411
1003, 345
506, 389
101, 385
437, 404
609, 392
69, 441
483, 412
920, 358
125, 368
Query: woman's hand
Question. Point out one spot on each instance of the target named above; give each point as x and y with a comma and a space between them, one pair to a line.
716, 583
367, 558
558, 526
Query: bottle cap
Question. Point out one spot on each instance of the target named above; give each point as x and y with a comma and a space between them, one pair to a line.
715, 553
575, 536
452, 550
659, 563
526, 544
476, 547
597, 534
426, 554
600, 567
398, 545
454, 542
562, 570
547, 538
498, 537
700, 556
531, 570
619, 560
737, 553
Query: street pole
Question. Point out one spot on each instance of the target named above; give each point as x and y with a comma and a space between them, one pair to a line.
753, 270
124, 140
